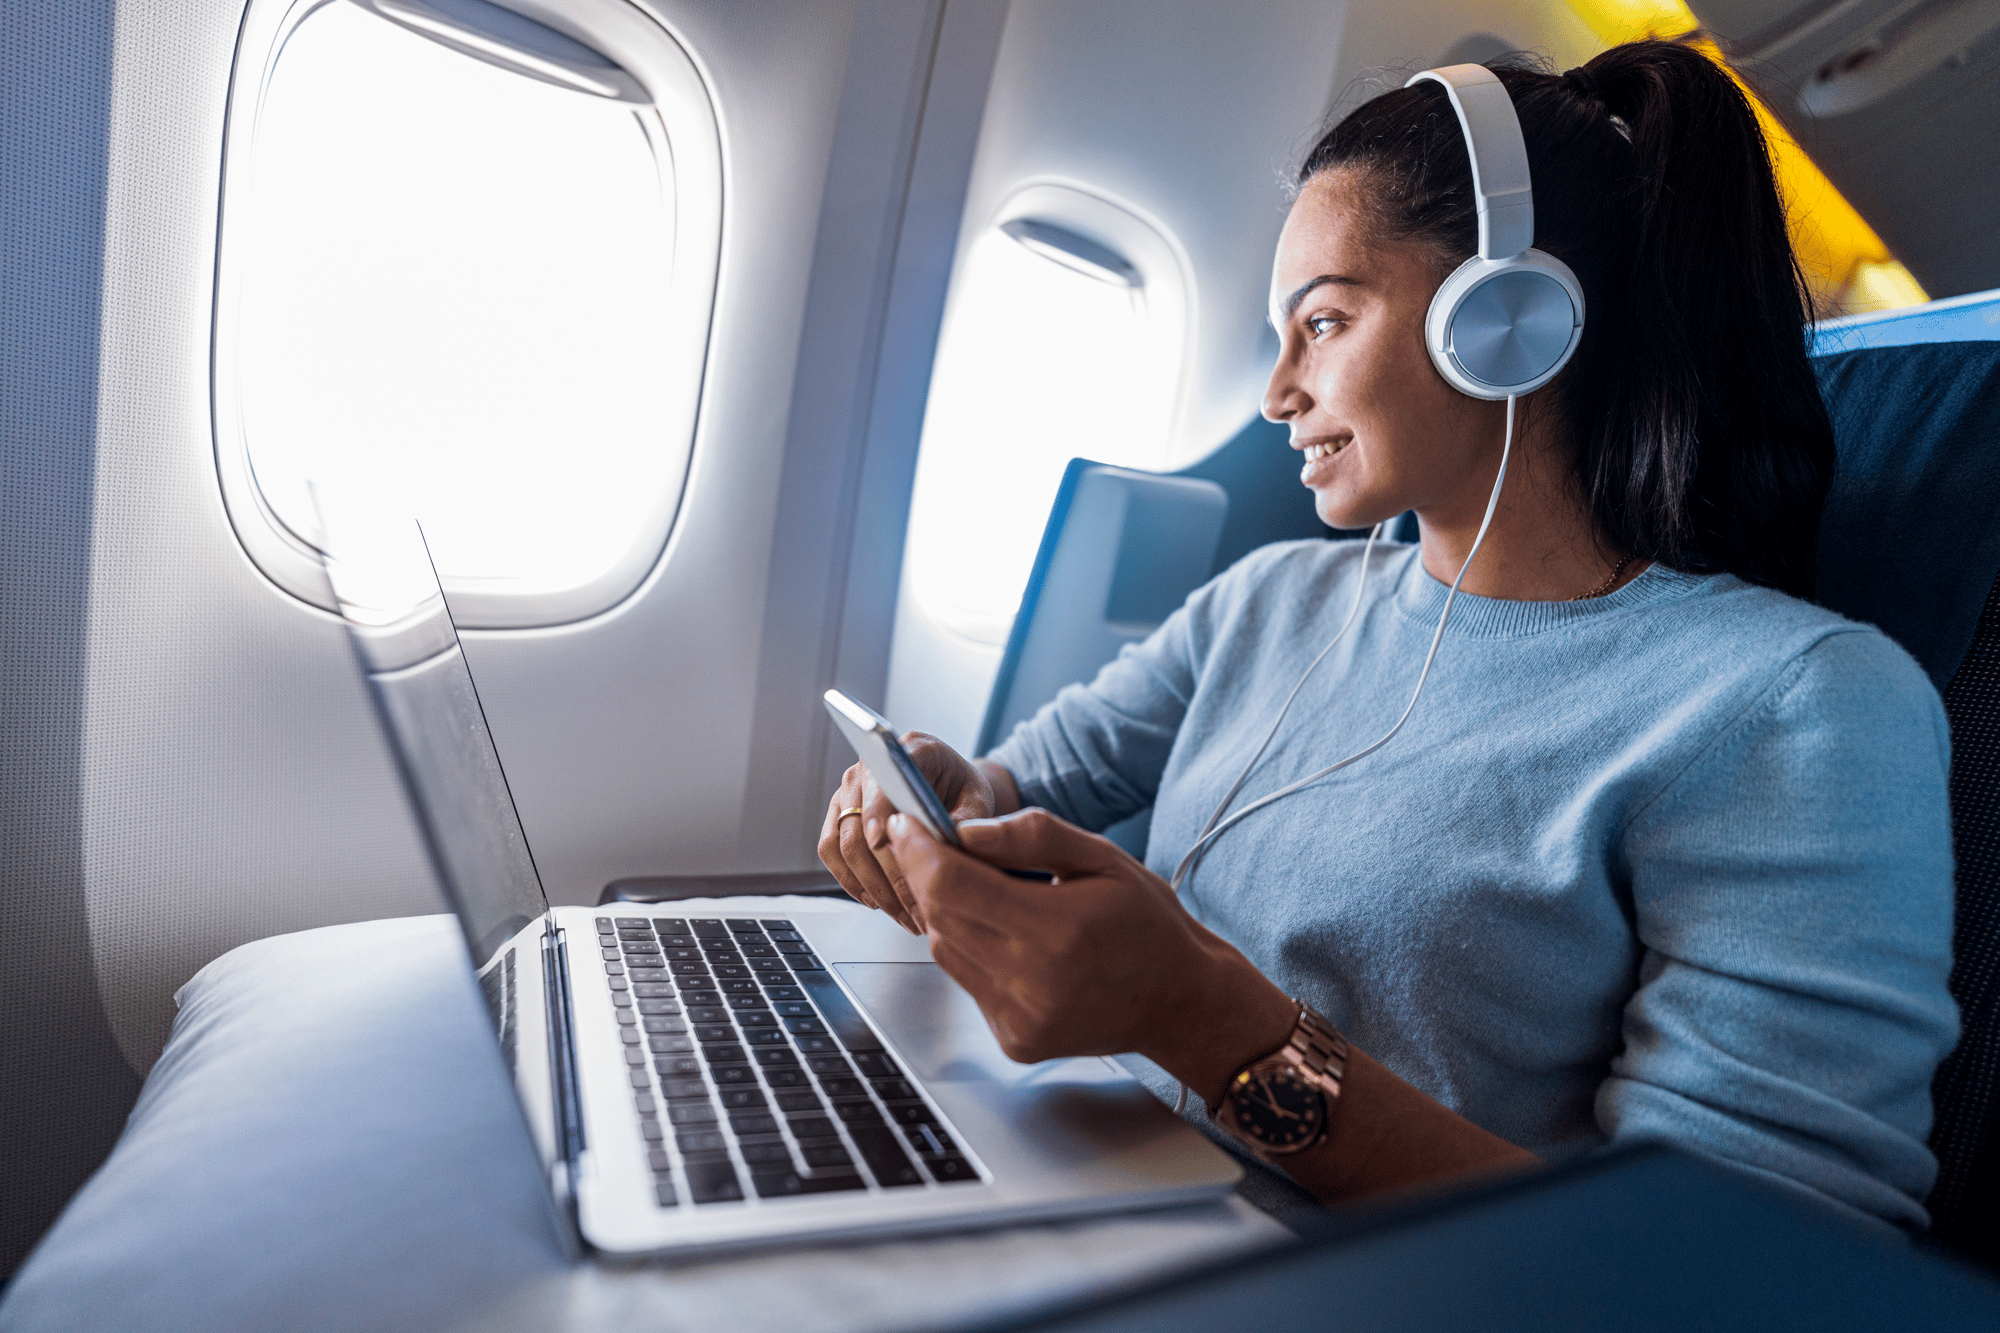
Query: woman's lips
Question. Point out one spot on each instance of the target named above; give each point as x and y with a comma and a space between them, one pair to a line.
1319, 458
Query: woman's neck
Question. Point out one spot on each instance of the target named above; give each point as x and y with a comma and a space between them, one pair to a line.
1542, 545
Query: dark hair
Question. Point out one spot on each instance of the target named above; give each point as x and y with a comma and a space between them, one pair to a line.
1699, 436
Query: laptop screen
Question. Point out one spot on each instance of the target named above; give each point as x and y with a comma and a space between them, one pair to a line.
388, 593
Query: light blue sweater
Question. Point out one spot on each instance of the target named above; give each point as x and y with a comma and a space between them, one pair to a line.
1673, 864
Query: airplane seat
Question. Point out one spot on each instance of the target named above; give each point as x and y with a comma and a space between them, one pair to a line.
1910, 542
1121, 550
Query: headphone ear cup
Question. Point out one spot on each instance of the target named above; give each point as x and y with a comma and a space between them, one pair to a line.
1501, 328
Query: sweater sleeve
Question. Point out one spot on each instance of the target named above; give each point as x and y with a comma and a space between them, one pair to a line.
1095, 753
1792, 892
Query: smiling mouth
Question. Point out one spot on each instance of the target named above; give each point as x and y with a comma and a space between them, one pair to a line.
1324, 449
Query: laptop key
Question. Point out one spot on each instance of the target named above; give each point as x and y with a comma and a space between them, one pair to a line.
663, 1194
774, 1057
634, 921
747, 999
950, 1170
816, 1045
731, 970
766, 1154
680, 1088
825, 1154
659, 1161
610, 955
759, 951
659, 1006
784, 991
794, 1009
763, 1037
650, 1130
694, 983
787, 1184
753, 1122
894, 1090
885, 1156
930, 1141
793, 945
662, 1043
725, 1053
756, 1018
843, 1087
744, 925
835, 1065
772, 967
640, 1079
667, 924
857, 1112
785, 1078
689, 967
709, 1033
707, 1013
662, 1023
804, 1025
629, 1035
635, 1057
778, 934
676, 1066
741, 987
811, 1127
702, 1141
745, 1099
801, 1100
691, 1113
652, 990
876, 1065
713, 1182
708, 926
911, 1113
805, 962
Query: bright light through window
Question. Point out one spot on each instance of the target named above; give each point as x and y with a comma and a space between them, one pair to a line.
450, 292
1041, 363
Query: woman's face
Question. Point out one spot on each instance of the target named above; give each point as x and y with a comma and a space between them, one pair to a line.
1380, 431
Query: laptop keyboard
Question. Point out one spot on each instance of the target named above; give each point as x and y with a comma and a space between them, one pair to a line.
753, 1074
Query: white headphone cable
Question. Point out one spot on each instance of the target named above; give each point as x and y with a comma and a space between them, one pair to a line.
1215, 829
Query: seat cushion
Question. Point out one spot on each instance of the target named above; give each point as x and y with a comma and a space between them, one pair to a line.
329, 1142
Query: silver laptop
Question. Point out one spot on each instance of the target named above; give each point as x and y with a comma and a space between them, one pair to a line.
696, 1082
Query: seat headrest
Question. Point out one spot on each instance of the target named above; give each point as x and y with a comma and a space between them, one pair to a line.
1910, 537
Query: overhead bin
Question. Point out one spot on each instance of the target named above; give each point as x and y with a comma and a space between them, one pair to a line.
1895, 100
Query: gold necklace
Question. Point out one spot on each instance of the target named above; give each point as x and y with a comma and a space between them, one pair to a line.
1607, 585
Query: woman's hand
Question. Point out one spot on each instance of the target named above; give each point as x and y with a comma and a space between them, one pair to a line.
846, 845
1106, 960
1103, 960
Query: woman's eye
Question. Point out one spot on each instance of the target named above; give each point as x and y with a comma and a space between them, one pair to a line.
1319, 324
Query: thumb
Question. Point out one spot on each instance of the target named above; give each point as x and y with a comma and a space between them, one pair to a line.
1034, 839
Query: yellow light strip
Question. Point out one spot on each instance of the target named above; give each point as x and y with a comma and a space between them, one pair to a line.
1847, 267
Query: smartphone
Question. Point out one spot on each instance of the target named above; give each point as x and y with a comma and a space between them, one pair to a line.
890, 765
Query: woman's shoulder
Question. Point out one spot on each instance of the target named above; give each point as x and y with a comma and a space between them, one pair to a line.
1799, 654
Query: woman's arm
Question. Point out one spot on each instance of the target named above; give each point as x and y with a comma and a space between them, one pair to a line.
1105, 960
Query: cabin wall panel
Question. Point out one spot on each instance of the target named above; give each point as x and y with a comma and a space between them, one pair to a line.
235, 784
65, 1085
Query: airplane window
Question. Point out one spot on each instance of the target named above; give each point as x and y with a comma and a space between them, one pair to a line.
1056, 347
453, 288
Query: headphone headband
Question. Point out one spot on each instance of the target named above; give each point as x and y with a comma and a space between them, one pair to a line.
1499, 157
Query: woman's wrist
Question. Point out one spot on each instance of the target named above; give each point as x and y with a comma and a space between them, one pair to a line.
1006, 796
1230, 1015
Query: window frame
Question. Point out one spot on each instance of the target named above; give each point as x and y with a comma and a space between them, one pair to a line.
683, 130
1166, 284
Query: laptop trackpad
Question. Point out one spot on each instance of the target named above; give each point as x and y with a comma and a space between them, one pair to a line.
940, 1031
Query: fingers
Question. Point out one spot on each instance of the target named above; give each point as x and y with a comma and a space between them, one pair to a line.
948, 890
830, 828
866, 868
1034, 839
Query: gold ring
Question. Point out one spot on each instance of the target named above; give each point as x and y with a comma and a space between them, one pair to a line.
845, 813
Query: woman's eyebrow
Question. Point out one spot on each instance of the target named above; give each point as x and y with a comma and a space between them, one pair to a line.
1291, 303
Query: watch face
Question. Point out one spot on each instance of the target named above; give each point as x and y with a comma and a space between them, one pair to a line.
1277, 1109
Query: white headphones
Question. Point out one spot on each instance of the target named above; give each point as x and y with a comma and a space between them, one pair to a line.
1510, 317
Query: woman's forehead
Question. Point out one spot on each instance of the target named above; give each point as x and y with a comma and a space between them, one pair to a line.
1326, 234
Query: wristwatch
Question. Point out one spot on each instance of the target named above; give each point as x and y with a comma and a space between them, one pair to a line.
1278, 1104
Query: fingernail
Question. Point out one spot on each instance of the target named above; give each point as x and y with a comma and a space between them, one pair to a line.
899, 823
874, 830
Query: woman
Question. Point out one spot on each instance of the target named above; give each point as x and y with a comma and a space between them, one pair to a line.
1663, 850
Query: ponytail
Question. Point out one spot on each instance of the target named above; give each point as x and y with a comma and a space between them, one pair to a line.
1697, 432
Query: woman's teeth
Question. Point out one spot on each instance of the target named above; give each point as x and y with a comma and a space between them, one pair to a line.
1315, 452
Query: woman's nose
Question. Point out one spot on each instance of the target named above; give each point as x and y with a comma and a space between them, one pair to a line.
1283, 398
